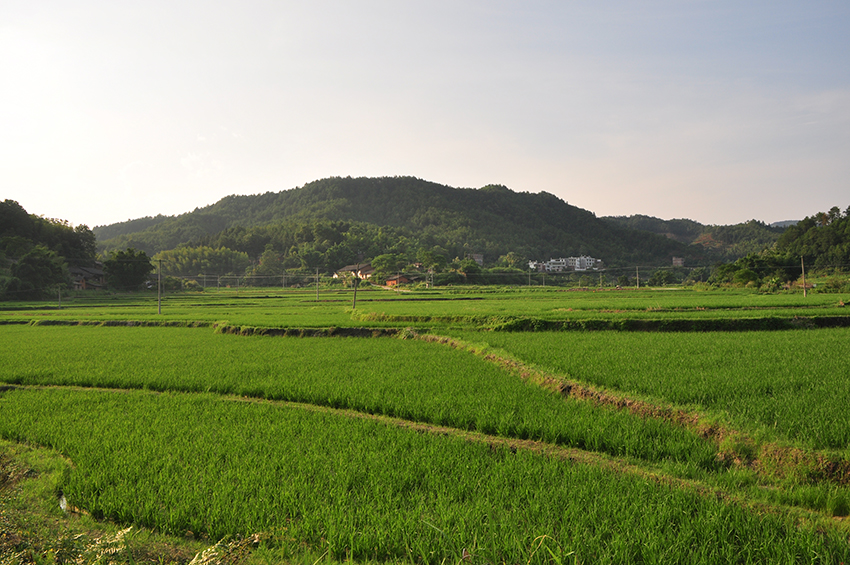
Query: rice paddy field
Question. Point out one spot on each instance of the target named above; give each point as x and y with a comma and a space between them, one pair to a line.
424, 308
442, 437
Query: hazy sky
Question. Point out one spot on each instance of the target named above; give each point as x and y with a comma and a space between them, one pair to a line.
718, 111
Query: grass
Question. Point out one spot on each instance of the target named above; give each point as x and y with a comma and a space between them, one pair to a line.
792, 385
403, 378
413, 451
428, 308
364, 490
34, 529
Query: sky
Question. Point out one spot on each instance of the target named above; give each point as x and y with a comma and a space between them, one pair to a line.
718, 111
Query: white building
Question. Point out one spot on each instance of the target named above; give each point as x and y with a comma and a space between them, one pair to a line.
566, 264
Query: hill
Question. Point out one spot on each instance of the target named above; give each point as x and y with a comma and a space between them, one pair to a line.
493, 221
822, 239
35, 252
722, 242
21, 232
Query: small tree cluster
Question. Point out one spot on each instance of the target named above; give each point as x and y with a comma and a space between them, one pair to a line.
127, 269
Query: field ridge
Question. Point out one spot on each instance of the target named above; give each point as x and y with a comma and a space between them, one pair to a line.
608, 462
772, 459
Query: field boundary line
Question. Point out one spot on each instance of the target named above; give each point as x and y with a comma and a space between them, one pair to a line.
770, 460
121, 323
570, 454
505, 323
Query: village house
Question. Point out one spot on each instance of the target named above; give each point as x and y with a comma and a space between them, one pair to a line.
87, 278
566, 264
396, 280
360, 270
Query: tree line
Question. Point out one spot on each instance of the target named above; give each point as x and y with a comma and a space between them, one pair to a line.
38, 255
820, 243
36, 252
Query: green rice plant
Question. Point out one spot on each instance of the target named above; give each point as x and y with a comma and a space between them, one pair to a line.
401, 378
471, 308
792, 385
359, 489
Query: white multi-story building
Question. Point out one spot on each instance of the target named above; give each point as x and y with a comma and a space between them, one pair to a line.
583, 263
564, 264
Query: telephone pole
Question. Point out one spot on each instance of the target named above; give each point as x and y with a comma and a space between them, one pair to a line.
356, 280
159, 289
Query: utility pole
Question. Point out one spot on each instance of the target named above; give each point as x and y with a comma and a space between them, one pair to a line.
159, 289
60, 297
317, 284
356, 280
802, 266
637, 277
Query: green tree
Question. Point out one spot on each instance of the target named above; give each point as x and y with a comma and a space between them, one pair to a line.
36, 274
202, 260
434, 259
662, 277
85, 245
389, 263
270, 263
513, 260
471, 270
745, 276
20, 232
698, 274
128, 269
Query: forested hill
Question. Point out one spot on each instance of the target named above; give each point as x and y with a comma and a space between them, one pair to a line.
22, 233
492, 220
723, 242
822, 239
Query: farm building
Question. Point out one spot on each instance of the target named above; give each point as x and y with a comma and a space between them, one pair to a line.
361, 271
87, 278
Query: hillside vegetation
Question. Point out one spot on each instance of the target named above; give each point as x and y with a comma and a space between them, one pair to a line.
403, 215
21, 232
822, 239
820, 242
723, 242
35, 252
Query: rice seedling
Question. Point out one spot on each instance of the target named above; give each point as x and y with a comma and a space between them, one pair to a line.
401, 378
788, 385
362, 490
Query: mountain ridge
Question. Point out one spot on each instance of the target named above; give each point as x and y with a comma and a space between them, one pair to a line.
493, 220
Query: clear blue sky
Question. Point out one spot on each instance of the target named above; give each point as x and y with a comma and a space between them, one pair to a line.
718, 111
